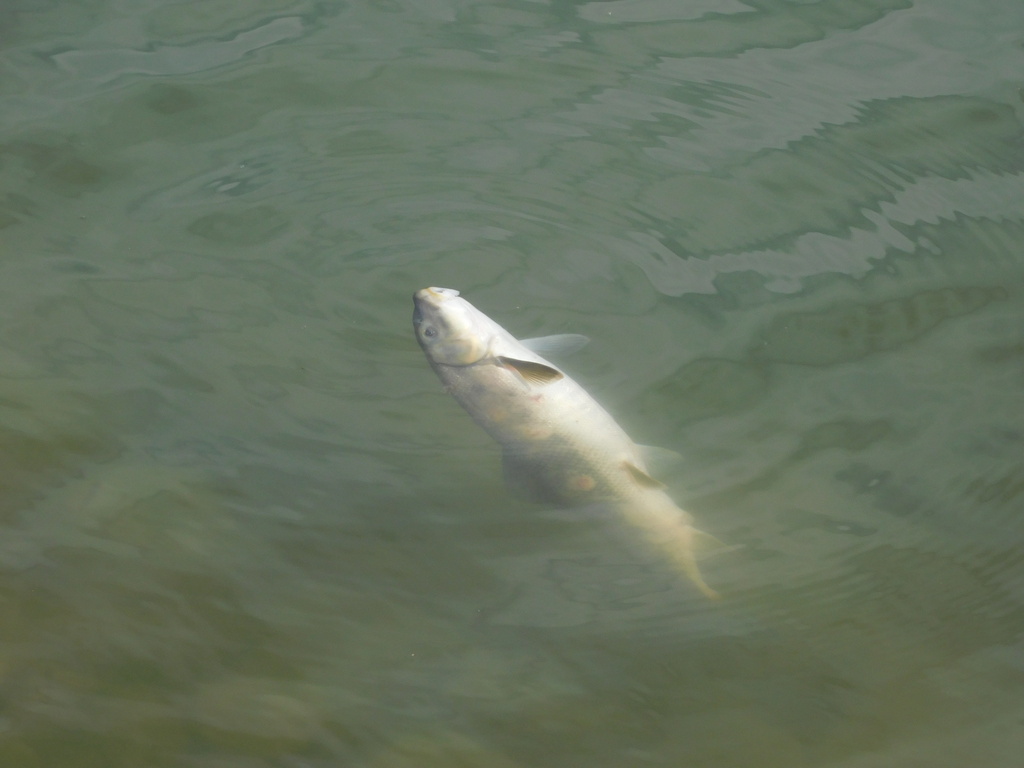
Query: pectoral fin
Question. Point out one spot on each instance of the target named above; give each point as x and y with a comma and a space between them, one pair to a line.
559, 344
533, 373
642, 478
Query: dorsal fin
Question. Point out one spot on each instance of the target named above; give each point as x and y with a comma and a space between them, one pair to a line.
641, 477
533, 373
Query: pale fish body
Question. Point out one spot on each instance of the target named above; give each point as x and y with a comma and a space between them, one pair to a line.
558, 444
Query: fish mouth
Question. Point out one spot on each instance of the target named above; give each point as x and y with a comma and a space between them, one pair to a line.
434, 295
427, 300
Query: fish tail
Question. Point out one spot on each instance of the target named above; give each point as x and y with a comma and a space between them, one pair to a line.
668, 527
684, 553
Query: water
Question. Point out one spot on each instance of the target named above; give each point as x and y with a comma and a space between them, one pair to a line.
242, 525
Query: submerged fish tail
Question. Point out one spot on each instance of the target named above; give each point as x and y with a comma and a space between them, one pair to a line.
682, 551
668, 527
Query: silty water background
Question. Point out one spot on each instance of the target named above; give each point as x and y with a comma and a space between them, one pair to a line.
242, 525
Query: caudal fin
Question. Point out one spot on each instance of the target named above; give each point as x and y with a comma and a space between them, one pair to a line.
668, 527
683, 548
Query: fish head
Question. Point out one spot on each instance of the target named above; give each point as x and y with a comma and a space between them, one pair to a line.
449, 328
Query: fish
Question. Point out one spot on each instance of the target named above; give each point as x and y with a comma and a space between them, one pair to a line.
559, 446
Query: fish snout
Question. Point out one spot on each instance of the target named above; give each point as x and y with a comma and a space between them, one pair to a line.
435, 295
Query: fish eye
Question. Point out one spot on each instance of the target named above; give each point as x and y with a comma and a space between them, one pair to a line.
430, 332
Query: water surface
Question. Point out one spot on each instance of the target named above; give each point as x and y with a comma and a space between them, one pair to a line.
243, 525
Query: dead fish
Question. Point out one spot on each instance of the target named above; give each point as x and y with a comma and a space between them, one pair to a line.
559, 446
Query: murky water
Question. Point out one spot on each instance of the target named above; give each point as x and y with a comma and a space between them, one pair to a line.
242, 525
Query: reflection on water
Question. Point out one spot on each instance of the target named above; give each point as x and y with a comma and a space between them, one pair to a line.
849, 332
241, 524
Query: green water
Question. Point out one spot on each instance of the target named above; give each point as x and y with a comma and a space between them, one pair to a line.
241, 523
